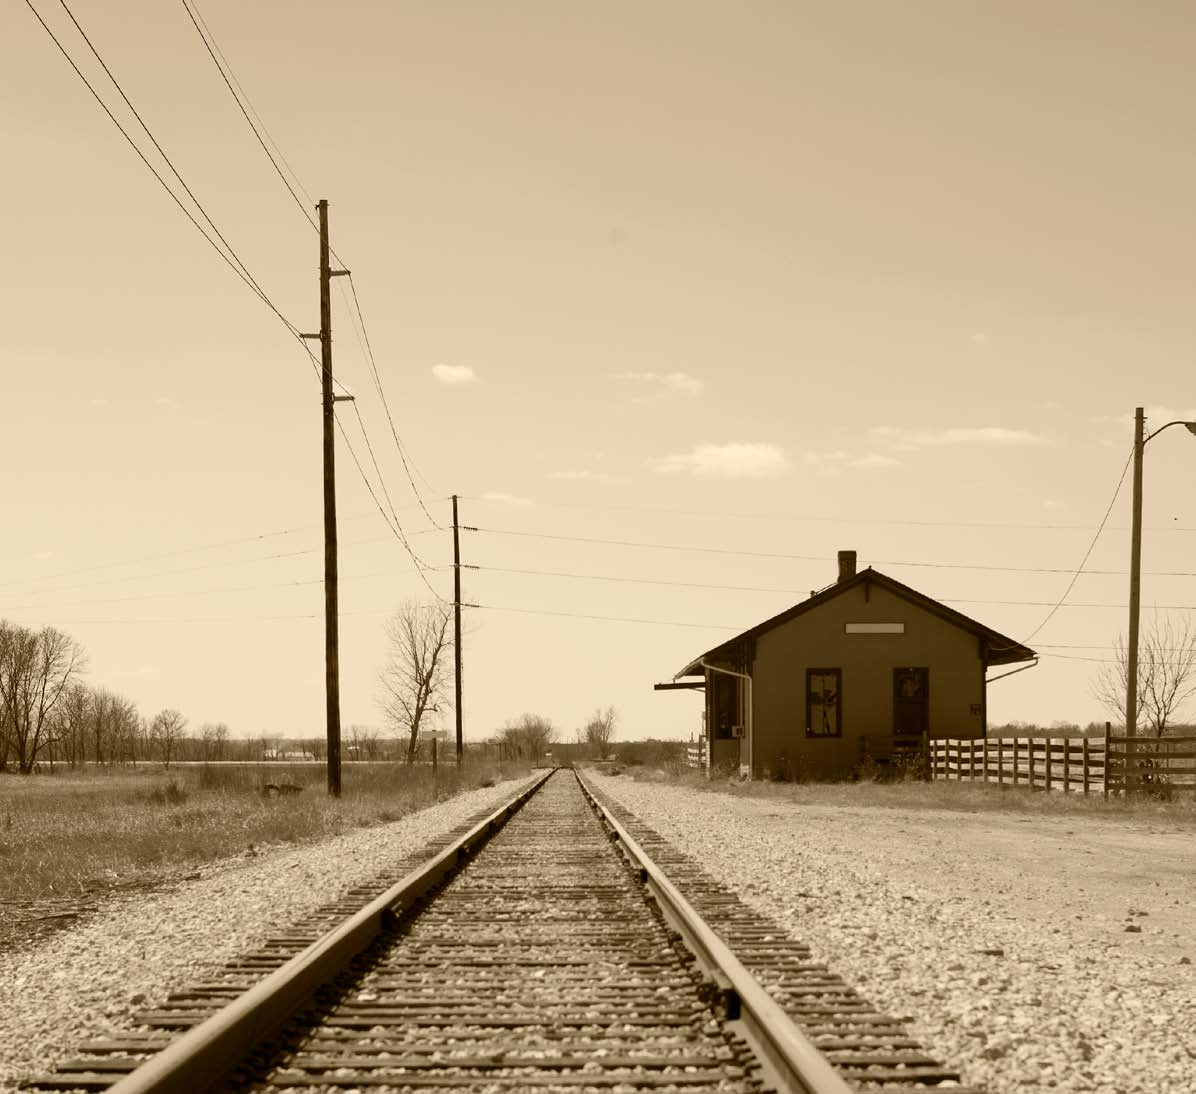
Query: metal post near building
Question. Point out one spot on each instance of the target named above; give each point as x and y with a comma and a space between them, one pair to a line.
1131, 675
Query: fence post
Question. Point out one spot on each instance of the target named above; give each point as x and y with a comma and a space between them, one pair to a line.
1015, 761
1000, 763
1106, 778
1066, 764
1030, 754
1085, 765
984, 761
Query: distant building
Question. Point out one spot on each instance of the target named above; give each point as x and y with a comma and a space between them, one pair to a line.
865, 668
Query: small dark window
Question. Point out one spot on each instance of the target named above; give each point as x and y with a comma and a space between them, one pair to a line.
824, 702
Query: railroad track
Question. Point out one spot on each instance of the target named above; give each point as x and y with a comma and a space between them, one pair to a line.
534, 962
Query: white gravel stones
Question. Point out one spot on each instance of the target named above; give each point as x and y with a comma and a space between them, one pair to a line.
126, 957
904, 904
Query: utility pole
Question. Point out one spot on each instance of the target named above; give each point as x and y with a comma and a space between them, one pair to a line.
457, 627
329, 401
1131, 673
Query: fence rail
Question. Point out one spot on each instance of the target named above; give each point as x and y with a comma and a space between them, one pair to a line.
1082, 765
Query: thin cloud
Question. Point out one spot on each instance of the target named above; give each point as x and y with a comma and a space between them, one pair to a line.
663, 383
837, 458
454, 374
874, 459
504, 499
910, 440
581, 474
737, 460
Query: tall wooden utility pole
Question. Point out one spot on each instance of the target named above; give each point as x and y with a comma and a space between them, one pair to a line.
1131, 672
457, 627
332, 687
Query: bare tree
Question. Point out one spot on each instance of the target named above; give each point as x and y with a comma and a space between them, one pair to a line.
71, 720
214, 738
113, 731
526, 738
1166, 673
36, 670
415, 677
166, 730
600, 731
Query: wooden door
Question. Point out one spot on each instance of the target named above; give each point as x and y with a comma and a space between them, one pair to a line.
911, 704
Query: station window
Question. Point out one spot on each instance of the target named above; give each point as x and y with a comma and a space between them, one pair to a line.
824, 702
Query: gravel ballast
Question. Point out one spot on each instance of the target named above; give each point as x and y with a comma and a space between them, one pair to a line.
1033, 953
135, 949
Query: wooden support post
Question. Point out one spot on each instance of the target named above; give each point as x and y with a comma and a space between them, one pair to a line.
1030, 754
1106, 778
1015, 762
1066, 764
1085, 765
1000, 761
984, 777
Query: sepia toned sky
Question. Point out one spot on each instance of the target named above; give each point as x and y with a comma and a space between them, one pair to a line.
767, 278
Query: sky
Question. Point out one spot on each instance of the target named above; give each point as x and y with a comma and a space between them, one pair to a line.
749, 283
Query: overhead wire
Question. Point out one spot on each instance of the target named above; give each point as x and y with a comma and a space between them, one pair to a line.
723, 514
396, 531
804, 558
1087, 554
240, 105
771, 588
407, 461
245, 106
258, 587
230, 259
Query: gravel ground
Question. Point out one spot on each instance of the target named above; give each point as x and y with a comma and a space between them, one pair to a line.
135, 949
1092, 987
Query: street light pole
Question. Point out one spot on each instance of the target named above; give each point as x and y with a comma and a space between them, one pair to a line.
1131, 675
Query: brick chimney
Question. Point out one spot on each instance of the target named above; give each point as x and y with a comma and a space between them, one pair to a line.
846, 565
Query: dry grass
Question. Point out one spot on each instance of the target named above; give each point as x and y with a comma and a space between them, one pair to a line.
74, 833
965, 797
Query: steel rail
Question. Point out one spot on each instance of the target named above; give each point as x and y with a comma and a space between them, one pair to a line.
797, 1066
212, 1050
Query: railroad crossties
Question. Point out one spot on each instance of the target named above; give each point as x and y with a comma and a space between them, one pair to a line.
542, 965
865, 669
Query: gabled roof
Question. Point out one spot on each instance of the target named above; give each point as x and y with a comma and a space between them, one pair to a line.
1002, 650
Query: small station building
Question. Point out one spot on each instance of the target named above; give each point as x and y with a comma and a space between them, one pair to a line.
867, 668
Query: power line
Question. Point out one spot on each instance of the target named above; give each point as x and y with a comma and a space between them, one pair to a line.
395, 530
804, 558
208, 591
605, 618
404, 456
236, 266
633, 580
164, 554
721, 514
245, 113
245, 106
776, 588
197, 14
1084, 561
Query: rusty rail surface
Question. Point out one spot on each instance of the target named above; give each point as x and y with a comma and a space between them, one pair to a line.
563, 956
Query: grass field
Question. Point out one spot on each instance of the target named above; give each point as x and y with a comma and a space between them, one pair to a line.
915, 794
76, 833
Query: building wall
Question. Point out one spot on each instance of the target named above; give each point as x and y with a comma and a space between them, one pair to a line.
817, 640
724, 707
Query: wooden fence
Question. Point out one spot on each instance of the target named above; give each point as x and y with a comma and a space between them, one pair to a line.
1082, 765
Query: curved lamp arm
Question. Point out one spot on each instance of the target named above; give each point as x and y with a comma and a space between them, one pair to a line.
1189, 426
